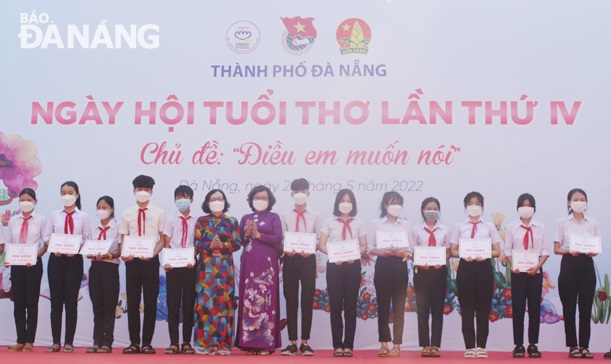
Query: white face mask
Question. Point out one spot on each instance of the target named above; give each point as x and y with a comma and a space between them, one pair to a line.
579, 206
142, 196
26, 206
526, 212
394, 210
300, 198
431, 215
68, 200
474, 210
260, 205
345, 207
216, 206
103, 214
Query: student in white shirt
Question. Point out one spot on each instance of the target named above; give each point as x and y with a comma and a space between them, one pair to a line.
65, 271
299, 268
391, 277
142, 274
526, 234
26, 228
474, 277
180, 282
343, 278
430, 283
577, 279
104, 278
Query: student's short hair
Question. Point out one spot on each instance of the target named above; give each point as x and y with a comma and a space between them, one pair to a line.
338, 199
527, 196
387, 198
300, 184
143, 181
183, 190
270, 197
205, 206
475, 194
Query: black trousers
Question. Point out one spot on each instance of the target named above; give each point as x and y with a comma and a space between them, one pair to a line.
65, 276
343, 283
295, 270
577, 282
180, 285
475, 284
430, 288
25, 284
526, 287
390, 281
104, 294
142, 279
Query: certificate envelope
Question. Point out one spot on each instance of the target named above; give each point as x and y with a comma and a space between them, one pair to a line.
300, 242
65, 243
430, 255
138, 246
95, 247
178, 258
390, 239
475, 248
523, 260
585, 244
21, 254
343, 251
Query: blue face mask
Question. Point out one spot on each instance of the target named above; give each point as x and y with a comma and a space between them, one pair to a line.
182, 204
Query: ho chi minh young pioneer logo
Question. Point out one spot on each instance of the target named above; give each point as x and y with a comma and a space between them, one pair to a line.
299, 36
353, 36
243, 37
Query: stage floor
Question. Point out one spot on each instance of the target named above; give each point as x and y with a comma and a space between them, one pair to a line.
79, 356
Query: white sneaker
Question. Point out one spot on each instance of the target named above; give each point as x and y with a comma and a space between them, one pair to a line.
222, 350
481, 353
201, 350
470, 353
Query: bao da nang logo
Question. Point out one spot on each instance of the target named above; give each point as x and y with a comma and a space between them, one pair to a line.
38, 30
299, 35
353, 36
243, 37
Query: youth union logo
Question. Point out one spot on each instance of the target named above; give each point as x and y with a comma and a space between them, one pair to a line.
353, 36
299, 35
243, 37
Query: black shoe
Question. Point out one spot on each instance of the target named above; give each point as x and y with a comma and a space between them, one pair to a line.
290, 350
306, 350
533, 351
607, 355
518, 351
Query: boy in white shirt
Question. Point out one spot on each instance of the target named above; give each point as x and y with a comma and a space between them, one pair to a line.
142, 274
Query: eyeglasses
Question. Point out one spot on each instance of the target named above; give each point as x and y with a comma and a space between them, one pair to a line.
217, 199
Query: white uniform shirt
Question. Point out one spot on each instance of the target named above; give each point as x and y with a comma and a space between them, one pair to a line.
514, 238
312, 221
484, 230
112, 234
384, 224
153, 227
36, 224
441, 232
55, 224
173, 229
333, 229
568, 225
